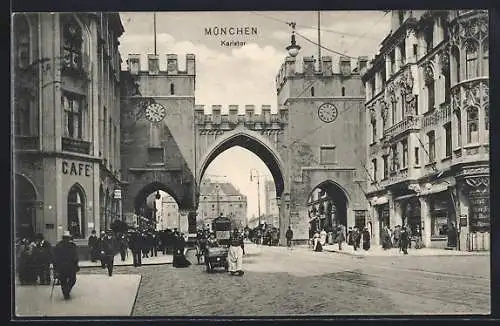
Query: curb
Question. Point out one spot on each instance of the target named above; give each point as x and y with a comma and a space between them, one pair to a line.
128, 265
136, 295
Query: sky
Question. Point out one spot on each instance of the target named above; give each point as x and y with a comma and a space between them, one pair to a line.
246, 74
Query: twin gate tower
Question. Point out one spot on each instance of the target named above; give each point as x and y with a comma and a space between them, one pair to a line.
315, 139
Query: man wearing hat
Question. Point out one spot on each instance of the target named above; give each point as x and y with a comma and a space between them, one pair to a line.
66, 263
108, 251
93, 246
42, 254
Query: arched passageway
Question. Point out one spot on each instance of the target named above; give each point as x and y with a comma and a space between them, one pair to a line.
25, 207
327, 207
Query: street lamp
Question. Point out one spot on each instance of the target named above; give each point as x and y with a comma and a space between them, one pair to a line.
252, 171
293, 49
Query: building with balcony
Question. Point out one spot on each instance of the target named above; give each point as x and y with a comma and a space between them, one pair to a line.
221, 198
66, 135
427, 107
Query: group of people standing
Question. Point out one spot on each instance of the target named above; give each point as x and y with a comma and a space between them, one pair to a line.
353, 237
34, 258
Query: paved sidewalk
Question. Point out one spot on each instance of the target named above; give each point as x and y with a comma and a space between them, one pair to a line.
92, 295
161, 259
379, 252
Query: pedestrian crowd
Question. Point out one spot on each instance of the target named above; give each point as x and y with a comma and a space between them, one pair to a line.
356, 237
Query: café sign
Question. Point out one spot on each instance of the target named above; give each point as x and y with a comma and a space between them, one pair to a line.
74, 168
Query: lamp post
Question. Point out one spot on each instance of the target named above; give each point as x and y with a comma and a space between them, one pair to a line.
252, 172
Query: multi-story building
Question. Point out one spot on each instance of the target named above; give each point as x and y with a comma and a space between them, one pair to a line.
427, 119
66, 69
271, 203
221, 198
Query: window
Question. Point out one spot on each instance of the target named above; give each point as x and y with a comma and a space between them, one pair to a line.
374, 170
374, 131
327, 155
72, 44
171, 89
386, 166
447, 86
343, 91
383, 75
459, 128
429, 36
417, 159
447, 133
455, 63
395, 158
403, 52
22, 115
471, 66
76, 212
312, 91
402, 106
241, 205
439, 224
392, 60
430, 95
431, 138
415, 50
472, 125
372, 86
155, 138
486, 117
22, 41
72, 105
393, 111
404, 144
485, 64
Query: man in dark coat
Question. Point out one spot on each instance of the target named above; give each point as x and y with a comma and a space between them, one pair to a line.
179, 258
123, 246
366, 239
108, 251
356, 238
289, 237
42, 254
404, 240
93, 246
144, 245
452, 236
135, 247
66, 264
26, 263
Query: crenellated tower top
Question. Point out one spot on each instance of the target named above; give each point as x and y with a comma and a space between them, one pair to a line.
289, 70
153, 65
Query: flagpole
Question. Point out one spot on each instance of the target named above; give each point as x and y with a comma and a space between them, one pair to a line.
319, 41
154, 29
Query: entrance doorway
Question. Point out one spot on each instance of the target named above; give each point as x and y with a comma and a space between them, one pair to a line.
327, 207
25, 208
383, 218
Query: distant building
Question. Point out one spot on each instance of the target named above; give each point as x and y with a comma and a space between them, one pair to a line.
221, 198
169, 216
271, 204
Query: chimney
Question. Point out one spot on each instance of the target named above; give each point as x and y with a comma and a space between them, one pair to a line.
190, 64
345, 65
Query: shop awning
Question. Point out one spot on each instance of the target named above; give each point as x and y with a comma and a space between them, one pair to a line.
380, 201
435, 189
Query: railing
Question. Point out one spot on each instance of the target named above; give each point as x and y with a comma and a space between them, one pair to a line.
440, 115
409, 123
396, 177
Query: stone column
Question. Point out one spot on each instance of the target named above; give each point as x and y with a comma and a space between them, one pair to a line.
425, 217
376, 226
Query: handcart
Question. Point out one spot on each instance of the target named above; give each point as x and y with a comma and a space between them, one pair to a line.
217, 256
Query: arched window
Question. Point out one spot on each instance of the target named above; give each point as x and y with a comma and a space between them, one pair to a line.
72, 44
76, 212
455, 64
459, 128
487, 117
172, 89
343, 91
472, 125
312, 91
22, 41
374, 130
486, 62
471, 65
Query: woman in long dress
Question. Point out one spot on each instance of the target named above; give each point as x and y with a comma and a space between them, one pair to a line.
235, 255
180, 260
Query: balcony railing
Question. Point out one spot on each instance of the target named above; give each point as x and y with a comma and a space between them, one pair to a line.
396, 177
441, 115
409, 123
75, 145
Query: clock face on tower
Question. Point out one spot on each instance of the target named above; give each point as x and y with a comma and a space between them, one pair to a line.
327, 112
155, 112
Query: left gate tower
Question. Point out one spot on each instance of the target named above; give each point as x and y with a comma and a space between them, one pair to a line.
157, 138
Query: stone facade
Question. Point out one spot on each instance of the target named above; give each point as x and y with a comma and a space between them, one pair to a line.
66, 73
427, 127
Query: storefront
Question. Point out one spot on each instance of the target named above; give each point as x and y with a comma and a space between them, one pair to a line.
443, 220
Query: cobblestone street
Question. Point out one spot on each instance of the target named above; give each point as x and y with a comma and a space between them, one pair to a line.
282, 282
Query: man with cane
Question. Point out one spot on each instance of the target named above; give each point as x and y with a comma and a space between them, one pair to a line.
65, 264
